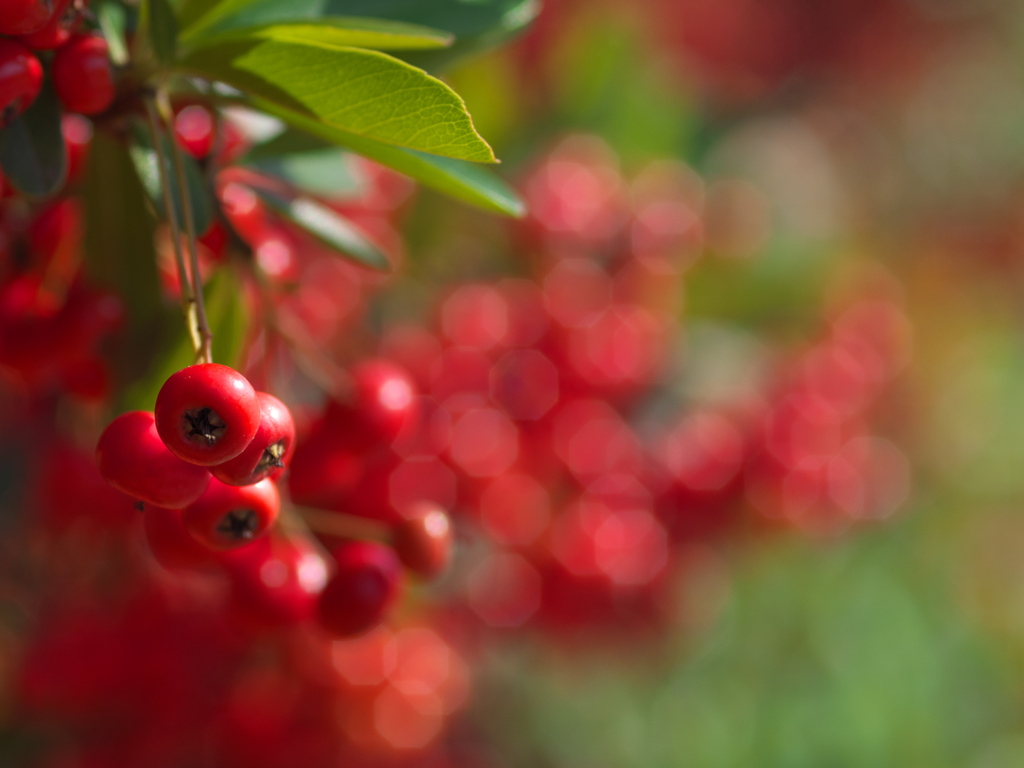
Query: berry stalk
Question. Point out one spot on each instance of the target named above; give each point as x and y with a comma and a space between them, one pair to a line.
204, 352
189, 303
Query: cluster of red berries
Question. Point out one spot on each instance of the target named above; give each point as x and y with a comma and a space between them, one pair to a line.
212, 448
538, 410
79, 66
204, 467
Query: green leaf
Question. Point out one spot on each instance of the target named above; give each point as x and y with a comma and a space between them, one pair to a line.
119, 251
475, 23
228, 318
287, 142
329, 227
147, 166
363, 92
464, 181
32, 152
514, 19
327, 172
158, 25
377, 34
113, 21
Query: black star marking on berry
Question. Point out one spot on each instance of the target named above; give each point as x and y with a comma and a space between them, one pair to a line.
205, 424
238, 525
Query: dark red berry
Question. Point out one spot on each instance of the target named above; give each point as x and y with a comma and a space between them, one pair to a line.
207, 414
228, 516
57, 30
364, 586
21, 17
423, 540
21, 77
82, 75
134, 460
270, 450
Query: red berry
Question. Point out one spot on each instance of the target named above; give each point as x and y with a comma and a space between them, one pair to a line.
170, 544
384, 403
57, 31
270, 450
363, 588
228, 516
423, 540
21, 77
20, 17
207, 414
82, 75
194, 128
277, 583
134, 460
77, 136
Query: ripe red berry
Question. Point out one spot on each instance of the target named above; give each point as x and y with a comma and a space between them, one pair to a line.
21, 77
207, 414
423, 540
363, 588
134, 460
20, 17
228, 516
276, 582
171, 545
384, 403
269, 451
57, 30
82, 75
194, 128
77, 132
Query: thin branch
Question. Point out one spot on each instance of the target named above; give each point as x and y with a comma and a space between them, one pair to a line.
188, 299
204, 352
343, 525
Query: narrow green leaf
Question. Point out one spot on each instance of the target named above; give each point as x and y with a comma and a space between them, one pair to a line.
113, 21
32, 152
470, 183
286, 143
160, 28
378, 34
329, 227
228, 317
326, 173
476, 24
119, 251
363, 92
147, 166
515, 18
